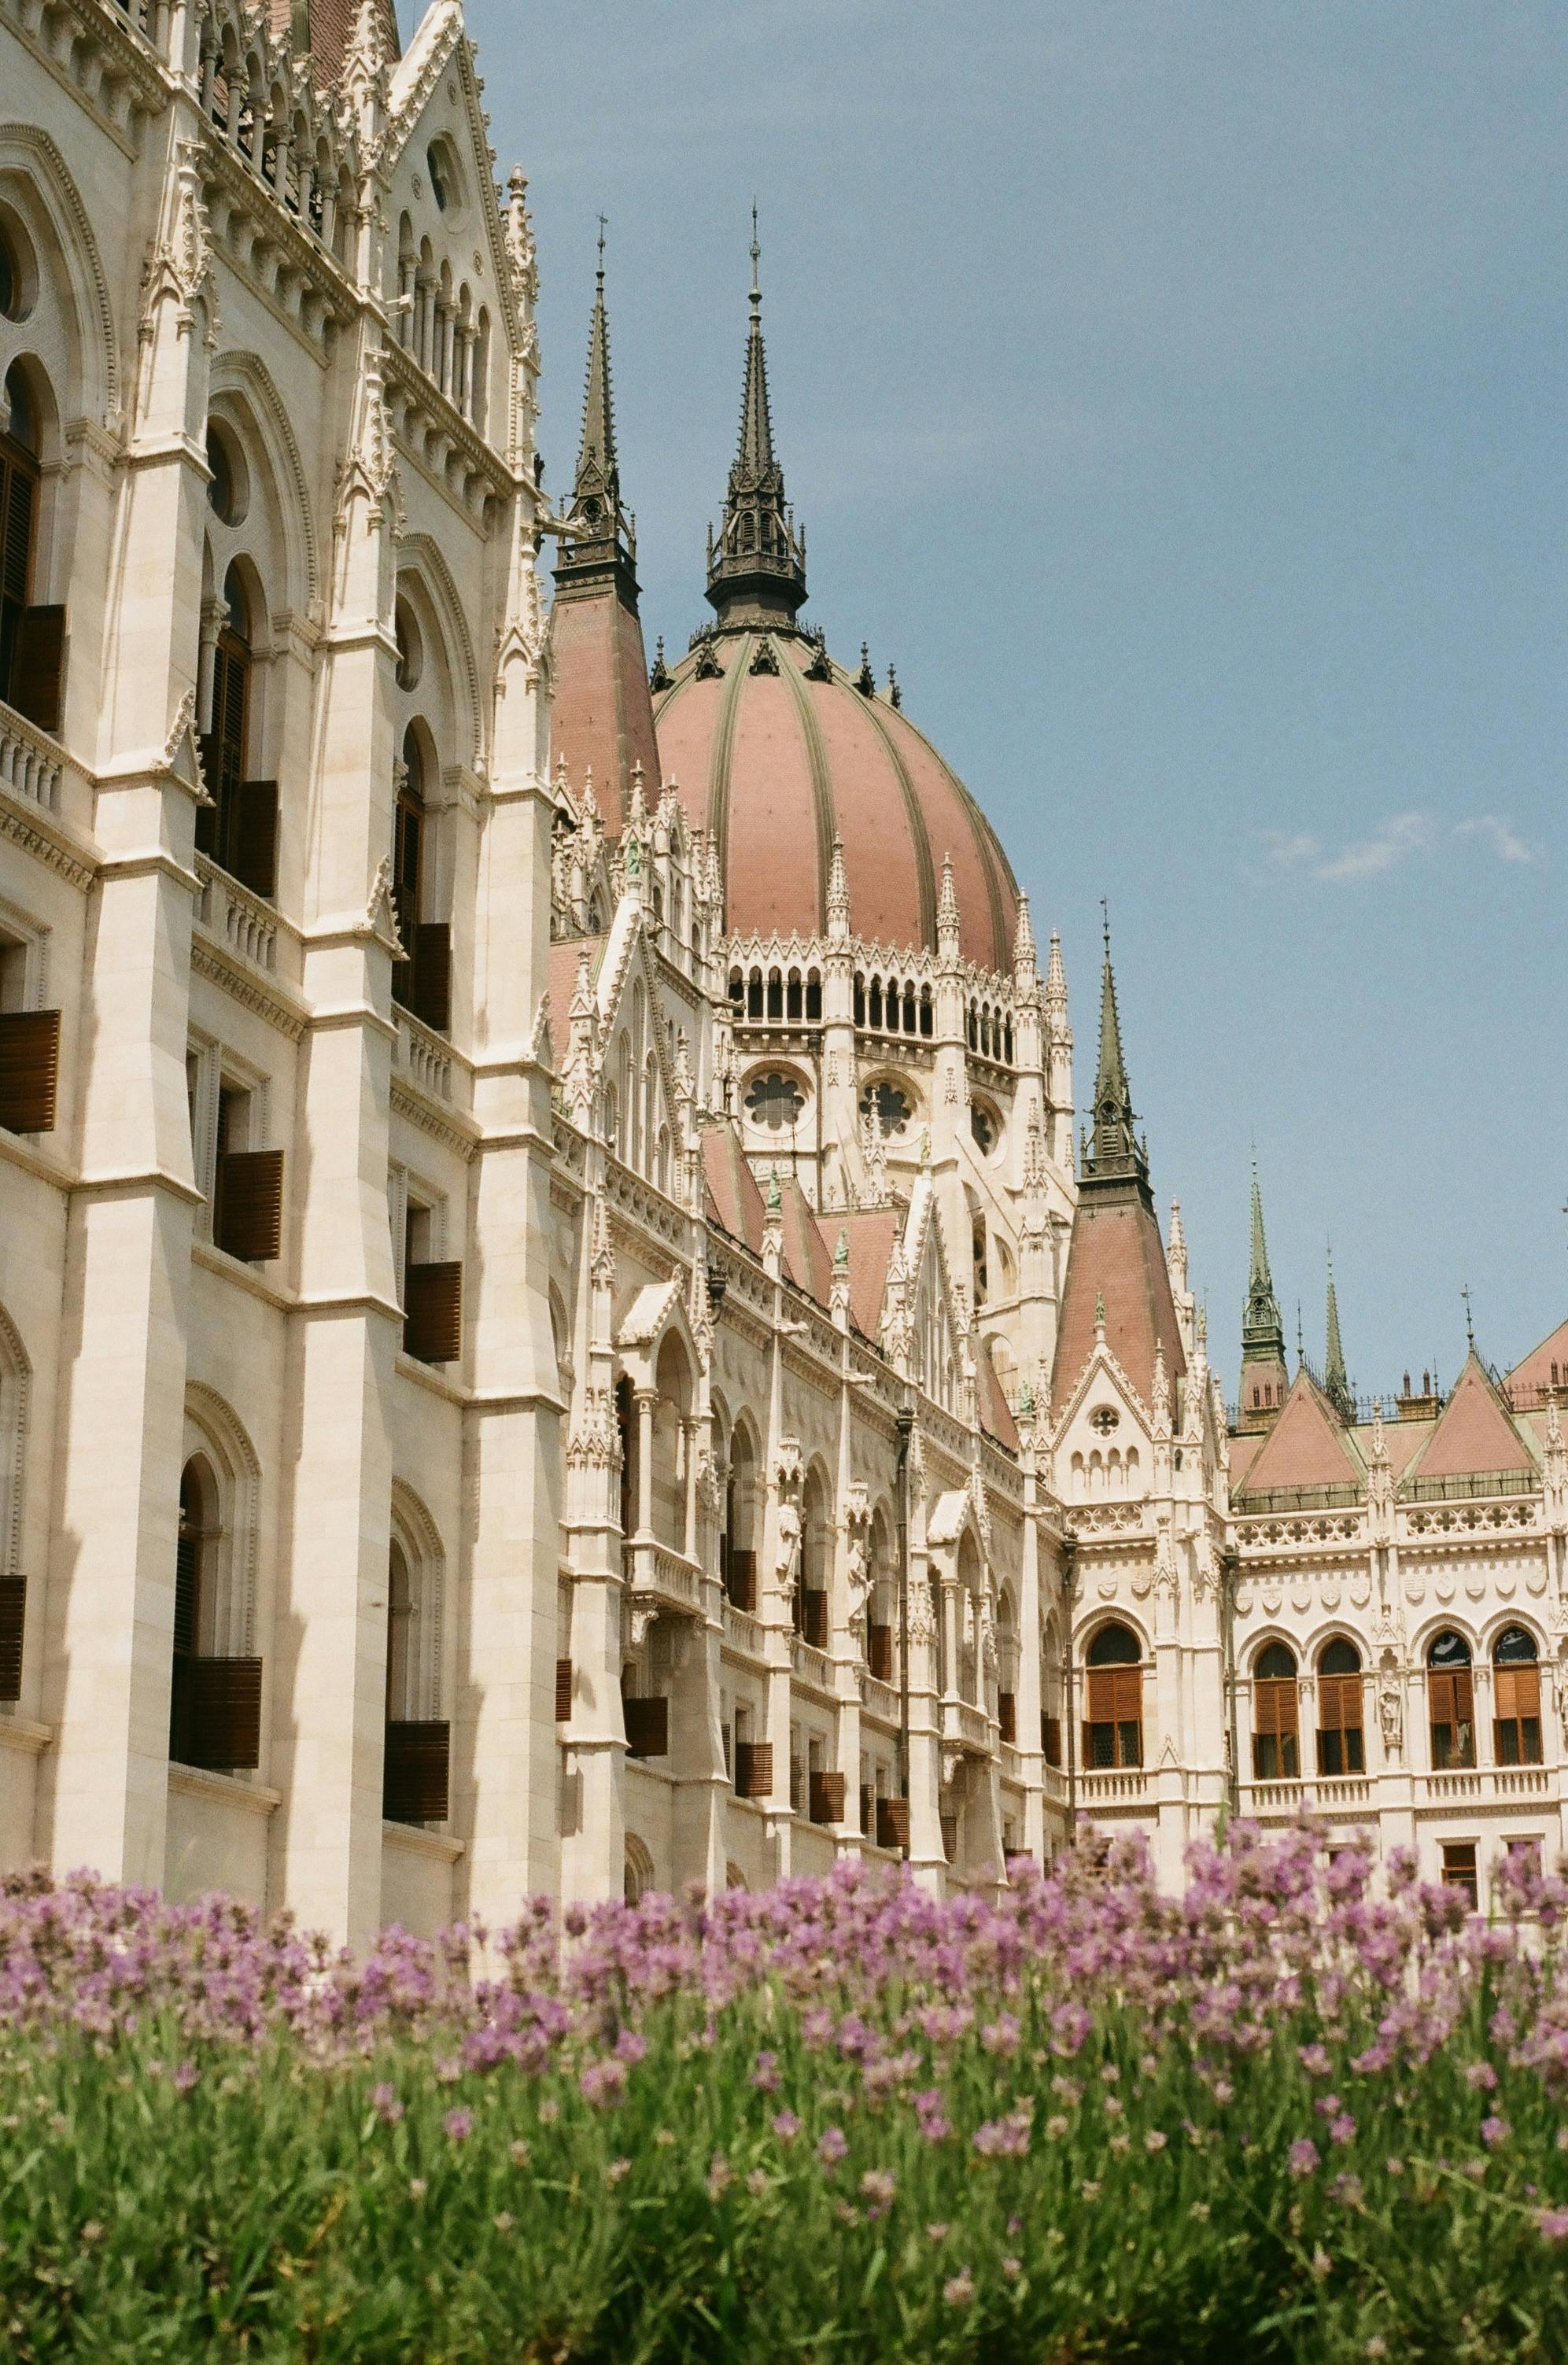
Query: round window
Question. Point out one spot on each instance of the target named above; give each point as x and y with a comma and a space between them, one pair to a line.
774, 1101
890, 1107
1105, 1421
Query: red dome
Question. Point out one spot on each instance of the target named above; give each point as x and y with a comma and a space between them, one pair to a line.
777, 763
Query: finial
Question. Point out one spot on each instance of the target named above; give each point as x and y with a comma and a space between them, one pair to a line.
841, 1253
866, 681
1100, 1314
756, 258
895, 697
604, 226
1105, 922
1469, 1324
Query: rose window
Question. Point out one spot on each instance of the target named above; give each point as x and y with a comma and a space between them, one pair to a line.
774, 1101
889, 1105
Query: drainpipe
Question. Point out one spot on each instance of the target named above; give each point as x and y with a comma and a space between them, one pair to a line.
903, 1421
1227, 1568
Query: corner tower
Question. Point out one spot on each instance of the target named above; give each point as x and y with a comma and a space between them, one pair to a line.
1265, 1383
603, 714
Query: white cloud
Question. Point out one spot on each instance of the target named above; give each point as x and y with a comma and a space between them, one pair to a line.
1392, 842
1504, 840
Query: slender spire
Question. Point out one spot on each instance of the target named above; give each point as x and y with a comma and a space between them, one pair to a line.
1336, 1386
1115, 1154
600, 546
1262, 1331
756, 568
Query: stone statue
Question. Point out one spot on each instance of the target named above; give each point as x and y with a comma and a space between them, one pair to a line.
858, 1572
1391, 1719
787, 1565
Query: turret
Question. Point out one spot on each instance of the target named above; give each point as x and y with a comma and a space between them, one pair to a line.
1264, 1380
756, 567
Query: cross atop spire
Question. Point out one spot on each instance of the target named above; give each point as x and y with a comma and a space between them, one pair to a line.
1114, 1153
601, 544
756, 568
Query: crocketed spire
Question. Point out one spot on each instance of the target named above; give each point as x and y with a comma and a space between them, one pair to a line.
600, 546
1336, 1386
756, 569
1264, 1380
1114, 1153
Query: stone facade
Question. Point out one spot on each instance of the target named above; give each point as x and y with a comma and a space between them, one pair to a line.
543, 1345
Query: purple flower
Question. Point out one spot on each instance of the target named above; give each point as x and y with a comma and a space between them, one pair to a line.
184, 2077
832, 2145
785, 2125
603, 2083
384, 2101
459, 2125
1005, 2139
1552, 2225
1494, 2132
765, 2076
879, 2187
959, 2289
1303, 2157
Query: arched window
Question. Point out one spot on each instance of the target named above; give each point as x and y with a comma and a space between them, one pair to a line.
20, 480
1276, 1749
639, 1869
859, 998
738, 1545
1113, 1722
221, 825
1516, 1678
926, 1010
1450, 1702
215, 1702
754, 994
775, 995
792, 1007
671, 1442
810, 1606
1007, 1667
1341, 1746
409, 855
813, 998
417, 1748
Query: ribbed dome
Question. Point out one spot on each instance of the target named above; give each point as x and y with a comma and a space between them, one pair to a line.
776, 763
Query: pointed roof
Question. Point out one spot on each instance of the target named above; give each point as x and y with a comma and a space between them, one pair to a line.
756, 569
995, 1412
1308, 1446
1115, 1261
733, 1200
326, 27
808, 1260
1474, 1431
1115, 1155
1336, 1385
1262, 1332
599, 551
1545, 1366
871, 1234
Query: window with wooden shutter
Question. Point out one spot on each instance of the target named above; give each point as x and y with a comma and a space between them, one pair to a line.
1459, 1868
1340, 1743
13, 1620
217, 829
38, 667
754, 1769
247, 1220
432, 1312
892, 1823
29, 1069
216, 1713
1050, 1738
414, 1783
1450, 1706
950, 1837
879, 1650
647, 1726
741, 1578
1113, 1729
562, 1691
431, 998
1007, 1716
827, 1794
1276, 1752
1517, 1715
813, 1616
253, 839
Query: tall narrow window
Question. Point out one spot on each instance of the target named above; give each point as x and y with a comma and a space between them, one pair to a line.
1113, 1724
1516, 1678
1450, 1702
422, 981
1276, 1752
215, 1704
32, 639
1341, 1746
417, 1756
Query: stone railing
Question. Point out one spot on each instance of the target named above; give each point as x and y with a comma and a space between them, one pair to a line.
662, 1578
1124, 1788
32, 763
239, 920
425, 1058
743, 1632
966, 1726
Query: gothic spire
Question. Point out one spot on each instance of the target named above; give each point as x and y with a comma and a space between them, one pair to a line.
1114, 1153
756, 569
1262, 1331
600, 546
1336, 1386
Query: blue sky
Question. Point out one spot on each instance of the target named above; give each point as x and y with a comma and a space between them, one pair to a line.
1176, 395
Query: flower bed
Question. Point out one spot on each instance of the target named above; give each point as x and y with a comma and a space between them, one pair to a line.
1299, 2112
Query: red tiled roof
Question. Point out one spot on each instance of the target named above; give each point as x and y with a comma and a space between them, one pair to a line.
996, 1413
601, 715
775, 765
1545, 1366
806, 1259
1306, 1447
1116, 1254
330, 30
562, 976
1473, 1433
1244, 1452
734, 1199
871, 1235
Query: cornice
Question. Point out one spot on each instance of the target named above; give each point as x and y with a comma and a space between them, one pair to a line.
210, 959
38, 833
431, 1117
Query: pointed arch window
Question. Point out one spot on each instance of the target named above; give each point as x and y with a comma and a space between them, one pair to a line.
1516, 1680
1450, 1702
421, 983
1113, 1724
1340, 1744
215, 1704
1276, 1746
417, 1745
32, 638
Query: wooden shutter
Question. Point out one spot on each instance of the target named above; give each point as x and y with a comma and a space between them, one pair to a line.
950, 1838
813, 1616
827, 1796
1275, 1705
1115, 1696
414, 1778
1519, 1693
254, 836
1050, 1738
1007, 1716
38, 665
432, 1320
562, 1691
1450, 1696
219, 1719
16, 495
647, 1727
13, 1619
187, 1580
430, 999
879, 1651
754, 1769
29, 1069
892, 1823
1339, 1703
250, 1205
743, 1578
